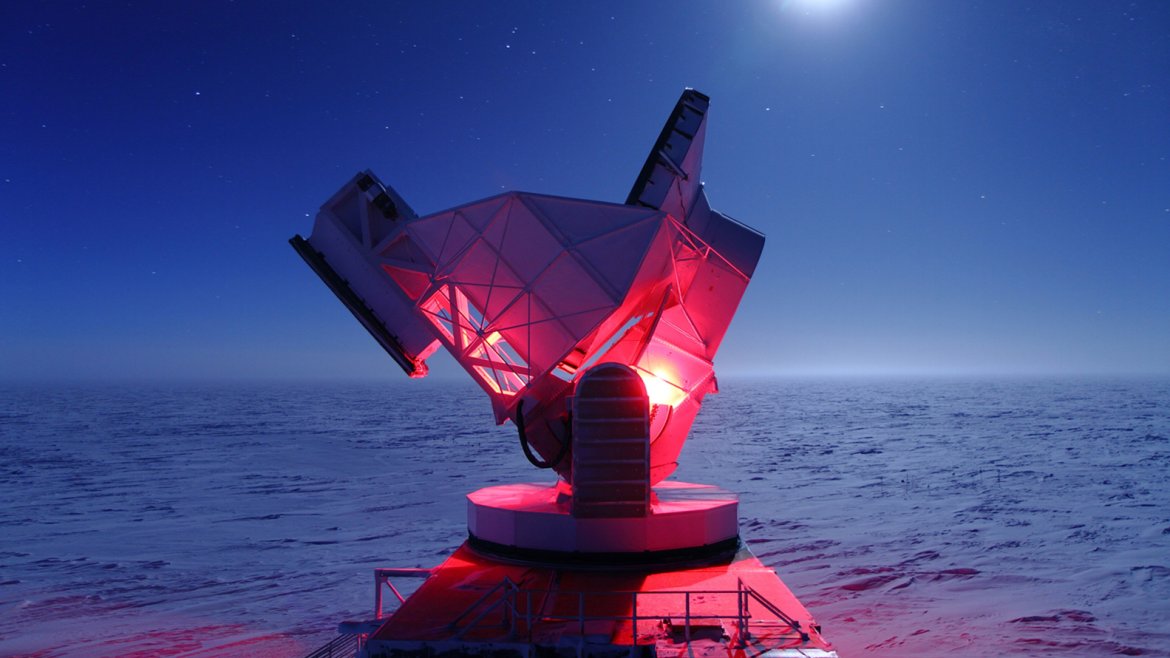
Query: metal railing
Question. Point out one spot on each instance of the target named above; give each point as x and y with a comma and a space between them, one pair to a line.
342, 646
507, 601
348, 644
519, 617
383, 576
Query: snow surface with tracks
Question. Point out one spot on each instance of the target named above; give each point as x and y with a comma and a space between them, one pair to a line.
912, 517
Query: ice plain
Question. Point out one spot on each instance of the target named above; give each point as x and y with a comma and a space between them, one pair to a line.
1021, 517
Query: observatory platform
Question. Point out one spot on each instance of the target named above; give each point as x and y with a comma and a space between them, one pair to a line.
593, 328
475, 604
536, 519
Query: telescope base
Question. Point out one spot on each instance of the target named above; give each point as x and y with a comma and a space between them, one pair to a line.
533, 521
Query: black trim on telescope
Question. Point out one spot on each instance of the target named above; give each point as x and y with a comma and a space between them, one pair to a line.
383, 203
669, 559
354, 303
532, 459
381, 200
653, 158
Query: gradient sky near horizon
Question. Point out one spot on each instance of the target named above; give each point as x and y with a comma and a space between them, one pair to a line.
946, 187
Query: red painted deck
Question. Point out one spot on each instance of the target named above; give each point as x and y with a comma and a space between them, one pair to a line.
549, 606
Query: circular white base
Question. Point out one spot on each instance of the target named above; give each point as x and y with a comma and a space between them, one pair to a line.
536, 517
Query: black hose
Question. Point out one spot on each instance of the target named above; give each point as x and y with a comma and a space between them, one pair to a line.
532, 458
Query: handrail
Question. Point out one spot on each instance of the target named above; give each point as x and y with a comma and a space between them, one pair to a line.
506, 600
772, 608
510, 595
342, 646
382, 575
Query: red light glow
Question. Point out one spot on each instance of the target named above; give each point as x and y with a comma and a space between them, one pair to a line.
660, 389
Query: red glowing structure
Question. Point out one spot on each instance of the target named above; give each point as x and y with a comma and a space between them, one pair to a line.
593, 327
527, 291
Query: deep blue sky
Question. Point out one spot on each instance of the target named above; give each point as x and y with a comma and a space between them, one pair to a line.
946, 187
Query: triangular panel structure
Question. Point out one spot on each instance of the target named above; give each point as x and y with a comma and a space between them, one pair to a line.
527, 291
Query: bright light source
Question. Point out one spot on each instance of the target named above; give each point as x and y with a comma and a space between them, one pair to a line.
810, 6
659, 388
